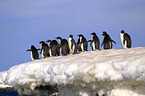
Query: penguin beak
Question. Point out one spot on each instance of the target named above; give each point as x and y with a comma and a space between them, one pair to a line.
47, 41
57, 38
40, 42
79, 35
103, 34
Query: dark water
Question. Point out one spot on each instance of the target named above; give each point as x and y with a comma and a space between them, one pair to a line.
8, 92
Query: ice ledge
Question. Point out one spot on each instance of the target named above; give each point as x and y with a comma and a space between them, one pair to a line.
115, 72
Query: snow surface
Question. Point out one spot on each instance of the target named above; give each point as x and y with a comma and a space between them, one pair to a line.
115, 72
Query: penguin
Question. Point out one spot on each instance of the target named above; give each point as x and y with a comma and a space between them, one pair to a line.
125, 39
44, 49
107, 42
95, 42
34, 52
82, 43
53, 47
72, 44
63, 46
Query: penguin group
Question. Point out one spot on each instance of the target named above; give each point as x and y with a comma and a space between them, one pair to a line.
51, 48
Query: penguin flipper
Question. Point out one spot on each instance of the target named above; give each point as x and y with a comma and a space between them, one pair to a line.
71, 44
89, 41
102, 43
113, 41
91, 44
38, 49
28, 50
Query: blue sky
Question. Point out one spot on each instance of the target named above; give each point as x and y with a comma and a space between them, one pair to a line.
25, 23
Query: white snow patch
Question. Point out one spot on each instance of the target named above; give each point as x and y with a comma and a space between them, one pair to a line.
115, 72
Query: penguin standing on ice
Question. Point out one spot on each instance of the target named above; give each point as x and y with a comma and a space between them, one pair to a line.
82, 43
63, 46
95, 42
44, 49
72, 44
125, 39
107, 42
53, 47
34, 52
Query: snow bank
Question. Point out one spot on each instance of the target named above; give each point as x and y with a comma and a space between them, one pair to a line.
115, 72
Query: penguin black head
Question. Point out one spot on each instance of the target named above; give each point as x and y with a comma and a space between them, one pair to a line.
122, 31
48, 41
32, 47
59, 38
80, 35
93, 33
104, 33
41, 42
71, 36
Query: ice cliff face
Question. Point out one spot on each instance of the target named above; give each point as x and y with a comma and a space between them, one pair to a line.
115, 72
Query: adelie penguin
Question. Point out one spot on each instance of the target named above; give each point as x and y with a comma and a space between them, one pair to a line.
107, 42
44, 49
82, 43
125, 39
63, 46
72, 44
34, 52
95, 42
53, 47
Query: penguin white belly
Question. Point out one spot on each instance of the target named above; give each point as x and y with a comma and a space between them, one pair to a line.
31, 55
121, 37
93, 45
50, 52
73, 50
125, 45
80, 39
69, 44
42, 53
110, 44
82, 47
